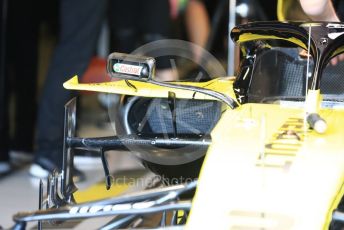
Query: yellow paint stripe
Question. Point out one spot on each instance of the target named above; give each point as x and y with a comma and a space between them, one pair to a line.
280, 12
180, 214
98, 191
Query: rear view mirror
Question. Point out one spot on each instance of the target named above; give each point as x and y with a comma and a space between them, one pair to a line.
131, 67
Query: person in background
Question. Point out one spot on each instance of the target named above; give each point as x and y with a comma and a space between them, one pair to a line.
320, 10
325, 10
80, 23
198, 25
20, 80
135, 22
196, 20
4, 156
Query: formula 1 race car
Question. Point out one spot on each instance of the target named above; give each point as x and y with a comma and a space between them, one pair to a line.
273, 158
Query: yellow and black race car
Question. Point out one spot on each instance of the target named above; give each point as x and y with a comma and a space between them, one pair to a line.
274, 158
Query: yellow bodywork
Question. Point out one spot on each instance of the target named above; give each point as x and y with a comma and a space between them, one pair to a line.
144, 89
265, 168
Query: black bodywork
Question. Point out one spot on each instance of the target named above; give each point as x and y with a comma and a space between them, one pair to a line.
324, 39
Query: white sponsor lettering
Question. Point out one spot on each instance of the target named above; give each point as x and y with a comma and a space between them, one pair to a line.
74, 210
127, 69
141, 205
95, 209
119, 207
83, 210
109, 208
334, 25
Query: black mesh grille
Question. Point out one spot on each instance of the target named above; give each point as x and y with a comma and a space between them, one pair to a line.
332, 81
276, 73
193, 116
292, 80
281, 72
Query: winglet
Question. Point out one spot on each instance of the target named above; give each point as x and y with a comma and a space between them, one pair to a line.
73, 81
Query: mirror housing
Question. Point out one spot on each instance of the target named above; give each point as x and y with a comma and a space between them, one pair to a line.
131, 67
